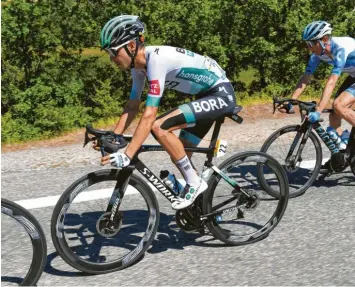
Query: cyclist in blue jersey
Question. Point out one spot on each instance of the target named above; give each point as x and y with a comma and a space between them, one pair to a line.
340, 53
174, 68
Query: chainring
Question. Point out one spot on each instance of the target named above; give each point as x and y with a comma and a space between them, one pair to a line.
188, 219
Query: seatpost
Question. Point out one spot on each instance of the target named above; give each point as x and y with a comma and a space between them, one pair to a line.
217, 128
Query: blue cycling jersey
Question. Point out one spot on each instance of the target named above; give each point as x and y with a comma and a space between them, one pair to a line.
342, 57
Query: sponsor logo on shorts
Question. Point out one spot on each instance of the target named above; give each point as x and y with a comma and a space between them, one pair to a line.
209, 105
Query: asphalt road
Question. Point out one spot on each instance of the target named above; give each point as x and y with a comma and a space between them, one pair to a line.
314, 244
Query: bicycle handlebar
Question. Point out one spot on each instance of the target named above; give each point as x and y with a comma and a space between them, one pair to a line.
108, 141
307, 106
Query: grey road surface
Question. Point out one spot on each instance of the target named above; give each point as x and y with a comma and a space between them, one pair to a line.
314, 244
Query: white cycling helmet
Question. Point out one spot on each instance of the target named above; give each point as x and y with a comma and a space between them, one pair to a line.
316, 30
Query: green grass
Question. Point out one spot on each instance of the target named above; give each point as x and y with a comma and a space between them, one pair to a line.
250, 101
247, 76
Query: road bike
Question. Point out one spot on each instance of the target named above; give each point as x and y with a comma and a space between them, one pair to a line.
13, 216
107, 219
298, 149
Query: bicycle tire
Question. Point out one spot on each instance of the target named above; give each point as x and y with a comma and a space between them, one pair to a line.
38, 239
352, 167
317, 145
263, 232
63, 204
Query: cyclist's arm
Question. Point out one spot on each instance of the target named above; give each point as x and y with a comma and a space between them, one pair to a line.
306, 77
132, 107
129, 113
301, 85
156, 79
339, 62
327, 92
142, 131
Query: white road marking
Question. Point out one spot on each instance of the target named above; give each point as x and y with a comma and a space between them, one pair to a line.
103, 193
83, 196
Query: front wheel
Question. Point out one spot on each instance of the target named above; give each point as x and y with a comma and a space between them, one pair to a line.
302, 168
352, 167
237, 208
79, 230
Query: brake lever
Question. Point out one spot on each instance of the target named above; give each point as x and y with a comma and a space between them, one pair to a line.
86, 139
102, 149
275, 104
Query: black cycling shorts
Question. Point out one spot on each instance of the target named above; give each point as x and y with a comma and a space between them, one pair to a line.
200, 114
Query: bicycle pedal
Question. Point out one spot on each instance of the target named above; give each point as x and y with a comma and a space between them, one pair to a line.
323, 171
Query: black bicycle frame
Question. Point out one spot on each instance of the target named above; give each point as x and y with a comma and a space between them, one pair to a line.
325, 138
305, 130
125, 174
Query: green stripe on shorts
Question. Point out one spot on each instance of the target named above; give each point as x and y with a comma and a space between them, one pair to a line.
188, 114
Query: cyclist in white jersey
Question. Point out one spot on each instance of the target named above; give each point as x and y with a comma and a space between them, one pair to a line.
340, 53
174, 68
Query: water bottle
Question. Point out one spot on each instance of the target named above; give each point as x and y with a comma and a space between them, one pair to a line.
345, 137
205, 174
335, 138
171, 181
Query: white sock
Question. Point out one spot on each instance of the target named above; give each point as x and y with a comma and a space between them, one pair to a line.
187, 171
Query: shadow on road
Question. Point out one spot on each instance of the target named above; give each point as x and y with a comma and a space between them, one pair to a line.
169, 236
10, 279
339, 179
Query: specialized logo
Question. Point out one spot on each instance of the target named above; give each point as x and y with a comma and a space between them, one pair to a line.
198, 76
208, 105
154, 87
158, 185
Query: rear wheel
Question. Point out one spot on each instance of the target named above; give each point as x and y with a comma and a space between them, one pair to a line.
79, 230
245, 213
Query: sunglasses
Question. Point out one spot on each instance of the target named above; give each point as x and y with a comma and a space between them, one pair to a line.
312, 43
113, 52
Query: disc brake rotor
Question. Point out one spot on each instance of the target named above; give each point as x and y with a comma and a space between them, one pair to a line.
106, 228
291, 165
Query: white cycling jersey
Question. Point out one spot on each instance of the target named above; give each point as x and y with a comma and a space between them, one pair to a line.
342, 57
178, 69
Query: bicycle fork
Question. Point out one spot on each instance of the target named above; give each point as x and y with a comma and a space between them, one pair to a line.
117, 194
305, 130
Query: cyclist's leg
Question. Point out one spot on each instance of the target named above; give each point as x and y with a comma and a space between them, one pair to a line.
217, 102
335, 118
214, 104
335, 122
162, 131
191, 137
343, 104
